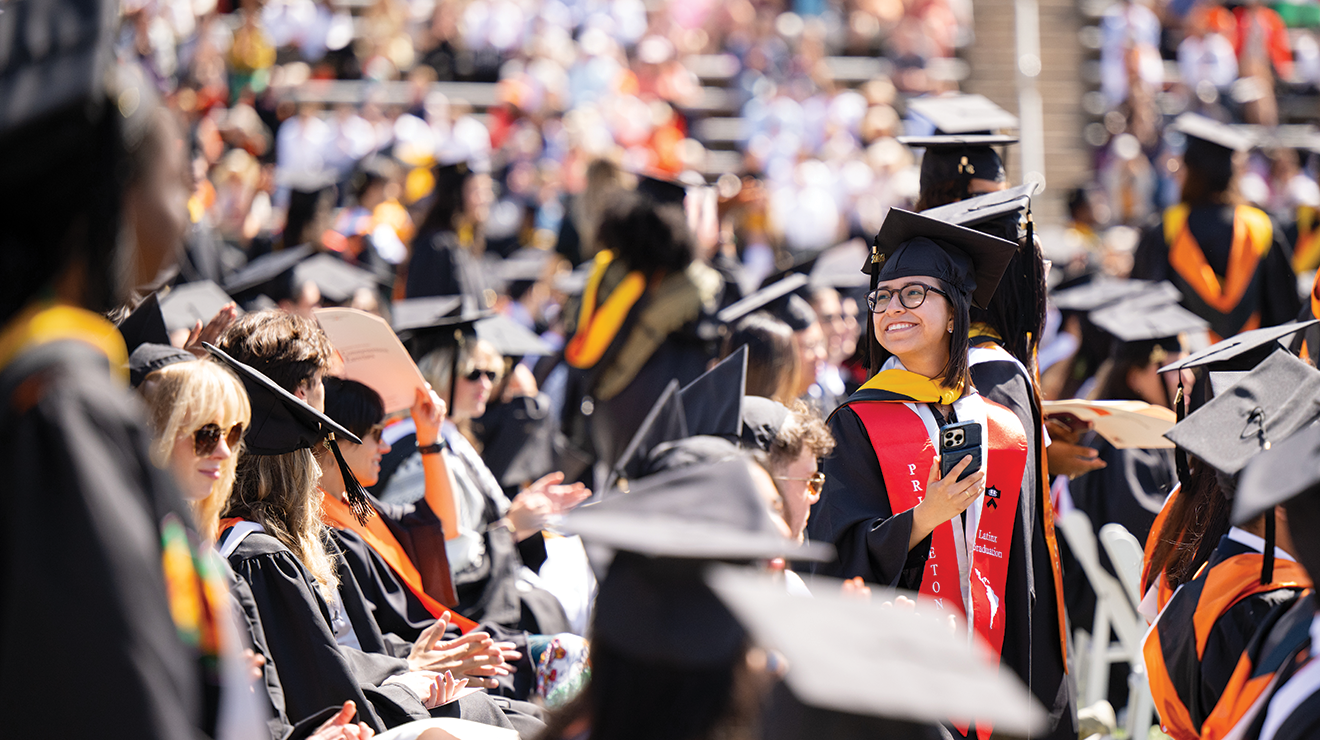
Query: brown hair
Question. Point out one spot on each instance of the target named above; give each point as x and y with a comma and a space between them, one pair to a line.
772, 357
804, 429
286, 347
1196, 521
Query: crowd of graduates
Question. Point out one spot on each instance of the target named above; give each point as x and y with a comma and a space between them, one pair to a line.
623, 473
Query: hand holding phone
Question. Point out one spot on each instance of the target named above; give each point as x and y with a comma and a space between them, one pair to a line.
958, 440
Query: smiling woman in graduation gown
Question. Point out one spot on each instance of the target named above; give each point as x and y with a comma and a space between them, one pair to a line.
885, 507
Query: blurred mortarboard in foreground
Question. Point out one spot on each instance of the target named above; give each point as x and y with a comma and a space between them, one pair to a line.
421, 313
860, 658
510, 338
145, 325
780, 299
1007, 206
687, 452
653, 604
189, 303
911, 244
148, 358
709, 512
665, 422
53, 80
1202, 128
283, 423
962, 114
270, 274
762, 420
1241, 352
336, 279
713, 402
1277, 398
1105, 291
1286, 470
1138, 321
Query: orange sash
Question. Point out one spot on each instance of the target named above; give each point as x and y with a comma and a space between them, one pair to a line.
1306, 252
597, 326
906, 455
1252, 236
337, 514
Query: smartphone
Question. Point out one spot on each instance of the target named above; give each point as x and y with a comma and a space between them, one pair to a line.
958, 440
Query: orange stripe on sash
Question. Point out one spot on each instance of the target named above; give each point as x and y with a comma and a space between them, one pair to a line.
1252, 236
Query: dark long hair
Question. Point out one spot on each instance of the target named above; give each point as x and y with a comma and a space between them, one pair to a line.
1017, 309
446, 201
1209, 178
772, 361
1196, 521
354, 405
956, 371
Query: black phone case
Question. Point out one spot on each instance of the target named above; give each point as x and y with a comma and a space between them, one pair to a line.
958, 440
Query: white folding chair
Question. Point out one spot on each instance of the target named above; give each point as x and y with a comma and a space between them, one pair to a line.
1126, 554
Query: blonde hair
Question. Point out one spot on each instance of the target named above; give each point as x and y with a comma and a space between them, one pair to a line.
280, 492
184, 397
435, 366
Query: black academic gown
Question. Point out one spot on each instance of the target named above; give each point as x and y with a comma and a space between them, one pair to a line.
315, 671
1273, 291
1281, 647
441, 267
82, 589
872, 542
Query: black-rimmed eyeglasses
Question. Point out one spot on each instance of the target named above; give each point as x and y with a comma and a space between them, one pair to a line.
911, 296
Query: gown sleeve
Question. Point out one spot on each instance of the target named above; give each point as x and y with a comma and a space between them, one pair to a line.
854, 514
432, 270
1227, 642
1151, 259
1280, 302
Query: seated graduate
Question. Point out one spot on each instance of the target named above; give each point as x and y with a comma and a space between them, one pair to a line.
668, 660
321, 634
895, 519
1195, 649
497, 546
390, 571
1284, 650
794, 439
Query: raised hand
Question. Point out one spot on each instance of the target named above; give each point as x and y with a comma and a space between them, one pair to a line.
945, 498
211, 332
342, 727
562, 498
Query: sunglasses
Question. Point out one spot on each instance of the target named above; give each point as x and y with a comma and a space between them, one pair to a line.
208, 436
911, 296
815, 482
377, 433
491, 375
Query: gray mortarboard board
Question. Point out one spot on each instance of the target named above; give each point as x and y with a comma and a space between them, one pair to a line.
664, 422
283, 423
1140, 323
836, 267
337, 280
520, 270
713, 402
149, 357
964, 145
762, 420
962, 114
427, 324
1241, 352
1104, 291
145, 325
1209, 131
53, 81
271, 275
572, 283
1274, 477
510, 338
189, 303
859, 658
653, 604
780, 299
911, 244
1001, 213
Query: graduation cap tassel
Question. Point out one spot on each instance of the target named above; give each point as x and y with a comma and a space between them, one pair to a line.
1267, 564
1179, 454
353, 491
453, 370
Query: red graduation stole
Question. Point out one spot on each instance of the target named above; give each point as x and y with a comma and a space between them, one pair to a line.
906, 455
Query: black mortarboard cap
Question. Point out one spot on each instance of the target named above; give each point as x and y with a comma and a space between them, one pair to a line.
959, 158
1104, 291
861, 658
713, 402
1277, 398
336, 279
778, 299
189, 303
962, 114
910, 244
688, 452
149, 357
1289, 468
283, 423
708, 512
270, 274
662, 191
52, 79
665, 422
145, 325
1008, 206
427, 324
1222, 135
1138, 321
1241, 352
510, 338
762, 420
